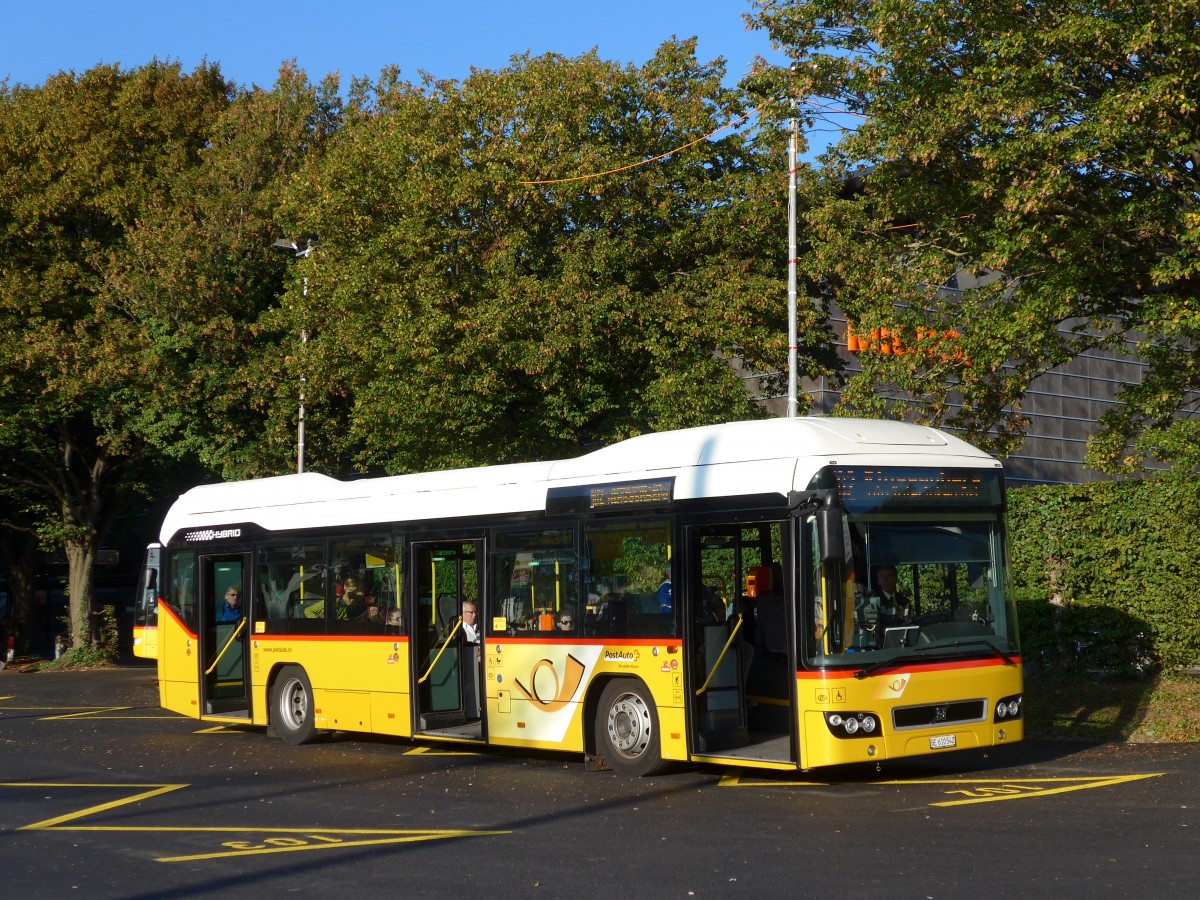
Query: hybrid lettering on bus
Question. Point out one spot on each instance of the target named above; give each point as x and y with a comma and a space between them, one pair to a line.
782, 594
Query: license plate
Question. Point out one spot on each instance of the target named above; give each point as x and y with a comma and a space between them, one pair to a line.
941, 742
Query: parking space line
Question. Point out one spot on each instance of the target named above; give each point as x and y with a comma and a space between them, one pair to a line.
1018, 788
970, 790
430, 751
81, 712
325, 840
156, 790
280, 840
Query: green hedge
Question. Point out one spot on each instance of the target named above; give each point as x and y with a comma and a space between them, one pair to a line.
1106, 574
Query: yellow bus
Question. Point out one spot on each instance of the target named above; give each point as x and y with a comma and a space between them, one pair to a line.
145, 614
783, 594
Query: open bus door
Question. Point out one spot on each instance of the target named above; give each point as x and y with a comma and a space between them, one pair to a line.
145, 621
743, 667
224, 640
447, 697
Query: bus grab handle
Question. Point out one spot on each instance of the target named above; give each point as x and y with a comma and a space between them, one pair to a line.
228, 644
457, 627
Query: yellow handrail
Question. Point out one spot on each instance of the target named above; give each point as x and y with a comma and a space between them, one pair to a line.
228, 644
453, 631
724, 650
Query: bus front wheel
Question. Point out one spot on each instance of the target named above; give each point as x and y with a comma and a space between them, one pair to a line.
292, 706
627, 729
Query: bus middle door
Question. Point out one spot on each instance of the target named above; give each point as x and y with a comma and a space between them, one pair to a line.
446, 575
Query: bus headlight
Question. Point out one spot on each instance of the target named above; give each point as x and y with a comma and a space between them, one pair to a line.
1008, 708
846, 725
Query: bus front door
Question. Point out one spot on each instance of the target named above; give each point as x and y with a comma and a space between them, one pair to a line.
224, 634
447, 699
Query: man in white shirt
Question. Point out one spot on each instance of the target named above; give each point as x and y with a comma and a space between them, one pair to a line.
470, 627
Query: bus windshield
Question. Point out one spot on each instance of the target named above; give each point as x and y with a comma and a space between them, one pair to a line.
917, 588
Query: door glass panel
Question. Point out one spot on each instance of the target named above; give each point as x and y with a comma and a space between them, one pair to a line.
447, 578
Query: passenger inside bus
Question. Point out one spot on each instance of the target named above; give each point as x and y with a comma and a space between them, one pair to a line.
470, 625
566, 621
231, 609
352, 602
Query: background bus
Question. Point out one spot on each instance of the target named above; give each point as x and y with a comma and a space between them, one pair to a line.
145, 612
714, 594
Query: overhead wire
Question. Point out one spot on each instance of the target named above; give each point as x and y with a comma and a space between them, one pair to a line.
645, 162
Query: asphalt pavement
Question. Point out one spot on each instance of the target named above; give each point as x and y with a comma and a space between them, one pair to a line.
104, 794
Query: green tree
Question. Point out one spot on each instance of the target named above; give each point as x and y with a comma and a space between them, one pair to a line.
474, 298
81, 158
1044, 150
197, 282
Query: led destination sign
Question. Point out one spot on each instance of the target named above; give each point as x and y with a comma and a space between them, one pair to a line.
879, 489
621, 495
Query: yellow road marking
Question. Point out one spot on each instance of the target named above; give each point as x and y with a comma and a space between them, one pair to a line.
80, 712
973, 790
1018, 788
155, 791
327, 842
429, 751
307, 838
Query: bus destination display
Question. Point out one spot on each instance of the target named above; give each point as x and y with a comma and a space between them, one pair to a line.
655, 493
869, 489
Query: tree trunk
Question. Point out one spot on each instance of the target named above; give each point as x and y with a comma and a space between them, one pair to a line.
81, 559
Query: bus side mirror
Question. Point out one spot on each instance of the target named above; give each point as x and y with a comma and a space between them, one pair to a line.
831, 526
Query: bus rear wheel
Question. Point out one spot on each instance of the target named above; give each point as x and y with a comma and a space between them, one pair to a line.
627, 729
292, 706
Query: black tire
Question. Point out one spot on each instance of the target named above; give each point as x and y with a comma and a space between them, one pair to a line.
292, 706
627, 729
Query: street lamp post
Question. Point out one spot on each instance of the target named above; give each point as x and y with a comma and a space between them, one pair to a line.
300, 253
792, 401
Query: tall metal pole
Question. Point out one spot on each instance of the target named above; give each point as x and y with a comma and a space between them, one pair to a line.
793, 140
303, 361
310, 245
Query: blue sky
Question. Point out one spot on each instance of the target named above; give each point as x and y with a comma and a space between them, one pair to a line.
358, 37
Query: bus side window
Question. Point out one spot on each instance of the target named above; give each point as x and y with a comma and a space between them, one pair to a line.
291, 581
630, 565
534, 582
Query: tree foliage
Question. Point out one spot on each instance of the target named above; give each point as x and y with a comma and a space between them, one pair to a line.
475, 298
195, 287
81, 157
561, 253
1045, 149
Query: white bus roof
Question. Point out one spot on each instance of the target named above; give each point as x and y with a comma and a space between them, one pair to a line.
738, 458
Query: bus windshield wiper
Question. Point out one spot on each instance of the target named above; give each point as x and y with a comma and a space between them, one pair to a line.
867, 671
